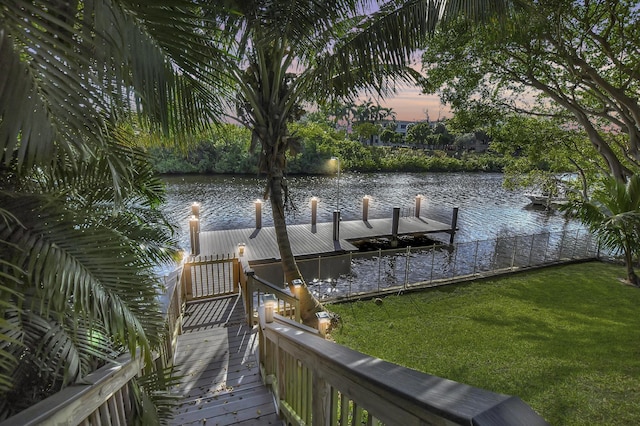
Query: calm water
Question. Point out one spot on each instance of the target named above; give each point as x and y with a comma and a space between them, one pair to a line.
486, 209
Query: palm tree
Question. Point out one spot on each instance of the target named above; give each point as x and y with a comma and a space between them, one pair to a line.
80, 232
613, 216
288, 53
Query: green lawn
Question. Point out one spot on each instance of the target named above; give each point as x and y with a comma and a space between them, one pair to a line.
565, 339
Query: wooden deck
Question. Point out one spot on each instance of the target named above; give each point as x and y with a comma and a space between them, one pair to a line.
308, 240
217, 356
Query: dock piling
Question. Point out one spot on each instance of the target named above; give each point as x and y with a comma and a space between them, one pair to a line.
314, 211
258, 214
365, 208
394, 226
194, 235
454, 224
336, 225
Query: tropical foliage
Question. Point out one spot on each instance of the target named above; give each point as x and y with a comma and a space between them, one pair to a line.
613, 215
572, 60
80, 231
225, 150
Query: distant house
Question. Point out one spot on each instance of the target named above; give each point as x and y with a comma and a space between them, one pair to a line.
401, 127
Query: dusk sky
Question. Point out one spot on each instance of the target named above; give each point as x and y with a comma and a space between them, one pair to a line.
410, 105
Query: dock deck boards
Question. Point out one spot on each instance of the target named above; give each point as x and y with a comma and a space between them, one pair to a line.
306, 240
221, 383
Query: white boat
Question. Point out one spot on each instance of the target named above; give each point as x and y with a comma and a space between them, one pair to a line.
546, 200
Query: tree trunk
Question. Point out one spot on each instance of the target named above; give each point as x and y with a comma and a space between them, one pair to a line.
628, 260
309, 305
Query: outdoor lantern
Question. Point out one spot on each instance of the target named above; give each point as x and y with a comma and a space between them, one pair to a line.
323, 322
241, 248
269, 301
297, 285
195, 209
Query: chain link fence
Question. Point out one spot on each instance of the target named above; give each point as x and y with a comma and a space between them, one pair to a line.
386, 271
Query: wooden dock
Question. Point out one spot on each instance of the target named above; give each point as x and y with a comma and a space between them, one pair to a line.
221, 383
308, 240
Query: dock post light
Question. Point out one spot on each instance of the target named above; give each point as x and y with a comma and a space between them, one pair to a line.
269, 301
297, 285
195, 209
241, 249
258, 213
418, 202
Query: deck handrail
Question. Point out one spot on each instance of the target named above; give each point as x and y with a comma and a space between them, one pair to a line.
104, 396
254, 287
319, 382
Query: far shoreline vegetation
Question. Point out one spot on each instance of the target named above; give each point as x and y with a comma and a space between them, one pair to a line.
225, 150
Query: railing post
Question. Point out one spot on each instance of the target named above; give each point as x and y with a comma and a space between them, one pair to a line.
186, 281
433, 260
475, 257
406, 267
455, 259
379, 267
321, 397
533, 240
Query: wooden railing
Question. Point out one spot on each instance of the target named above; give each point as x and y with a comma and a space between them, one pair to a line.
208, 276
314, 381
318, 382
105, 396
254, 289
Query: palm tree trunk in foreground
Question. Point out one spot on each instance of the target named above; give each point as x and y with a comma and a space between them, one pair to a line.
309, 305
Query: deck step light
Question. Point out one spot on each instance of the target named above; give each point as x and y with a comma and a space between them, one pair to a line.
323, 322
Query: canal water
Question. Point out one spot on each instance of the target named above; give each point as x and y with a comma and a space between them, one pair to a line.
497, 227
486, 209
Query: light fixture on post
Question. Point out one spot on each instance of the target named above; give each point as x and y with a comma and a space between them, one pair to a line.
418, 201
323, 322
241, 249
195, 209
337, 160
297, 286
269, 301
